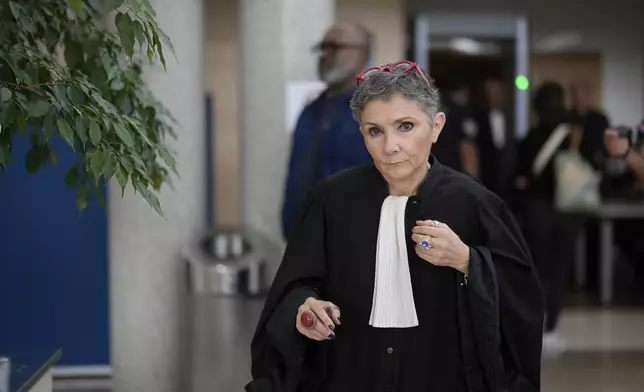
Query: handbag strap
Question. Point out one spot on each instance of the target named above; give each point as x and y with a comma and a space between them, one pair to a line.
549, 148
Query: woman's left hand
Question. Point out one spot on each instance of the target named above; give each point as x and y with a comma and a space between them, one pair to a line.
443, 247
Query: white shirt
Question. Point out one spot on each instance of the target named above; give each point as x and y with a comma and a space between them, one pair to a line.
497, 126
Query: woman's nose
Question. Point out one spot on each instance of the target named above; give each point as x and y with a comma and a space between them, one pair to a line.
391, 145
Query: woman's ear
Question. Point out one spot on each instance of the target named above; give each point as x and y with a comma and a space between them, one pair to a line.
437, 126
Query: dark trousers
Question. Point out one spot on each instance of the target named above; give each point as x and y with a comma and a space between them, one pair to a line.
629, 237
551, 238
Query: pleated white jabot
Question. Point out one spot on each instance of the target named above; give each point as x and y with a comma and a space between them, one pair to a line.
393, 300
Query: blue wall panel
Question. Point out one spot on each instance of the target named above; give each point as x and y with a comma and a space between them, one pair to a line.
53, 264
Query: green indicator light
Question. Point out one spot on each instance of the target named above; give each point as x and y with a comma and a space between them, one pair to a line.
522, 82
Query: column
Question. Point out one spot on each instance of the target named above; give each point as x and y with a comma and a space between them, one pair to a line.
386, 19
276, 41
222, 73
147, 280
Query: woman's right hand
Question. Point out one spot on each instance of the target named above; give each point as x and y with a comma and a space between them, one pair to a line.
325, 316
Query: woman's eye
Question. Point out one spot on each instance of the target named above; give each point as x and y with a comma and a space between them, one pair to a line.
406, 127
373, 131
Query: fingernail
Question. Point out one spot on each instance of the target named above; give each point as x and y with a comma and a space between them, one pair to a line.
332, 336
331, 327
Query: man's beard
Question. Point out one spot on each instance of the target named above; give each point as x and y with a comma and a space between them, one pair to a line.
335, 75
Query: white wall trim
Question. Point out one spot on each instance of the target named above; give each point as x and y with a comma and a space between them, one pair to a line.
82, 371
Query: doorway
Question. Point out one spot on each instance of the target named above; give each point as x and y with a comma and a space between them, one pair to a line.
476, 47
472, 62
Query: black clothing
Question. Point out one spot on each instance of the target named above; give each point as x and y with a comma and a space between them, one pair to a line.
551, 235
594, 125
446, 149
542, 186
496, 165
479, 335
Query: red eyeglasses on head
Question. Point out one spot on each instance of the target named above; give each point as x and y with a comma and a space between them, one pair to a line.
399, 68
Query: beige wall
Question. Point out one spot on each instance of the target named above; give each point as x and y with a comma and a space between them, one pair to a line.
384, 18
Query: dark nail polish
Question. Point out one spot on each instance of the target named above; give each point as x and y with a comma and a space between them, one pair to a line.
331, 327
332, 336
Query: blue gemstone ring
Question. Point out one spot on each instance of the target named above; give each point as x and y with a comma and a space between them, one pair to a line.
425, 244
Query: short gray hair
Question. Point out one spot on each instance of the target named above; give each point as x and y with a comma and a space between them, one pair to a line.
383, 85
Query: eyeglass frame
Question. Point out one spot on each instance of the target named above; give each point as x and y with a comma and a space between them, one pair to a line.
335, 46
390, 68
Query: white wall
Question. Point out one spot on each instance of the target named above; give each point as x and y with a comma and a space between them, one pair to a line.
615, 29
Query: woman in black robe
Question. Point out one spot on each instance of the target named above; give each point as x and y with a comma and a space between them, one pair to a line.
403, 275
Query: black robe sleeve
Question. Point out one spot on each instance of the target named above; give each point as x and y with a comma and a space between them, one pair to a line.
505, 303
277, 348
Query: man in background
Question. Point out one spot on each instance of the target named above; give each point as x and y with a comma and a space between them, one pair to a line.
327, 139
456, 147
495, 140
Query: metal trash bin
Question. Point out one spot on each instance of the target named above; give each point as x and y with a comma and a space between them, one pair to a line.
227, 278
228, 262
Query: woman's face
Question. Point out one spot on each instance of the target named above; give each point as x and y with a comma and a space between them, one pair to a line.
399, 135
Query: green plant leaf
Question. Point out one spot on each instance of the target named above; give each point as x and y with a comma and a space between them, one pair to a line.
21, 123
98, 191
108, 167
96, 99
15, 9
36, 157
96, 162
48, 129
53, 157
81, 131
82, 196
94, 133
37, 108
71, 178
124, 134
151, 198
61, 95
121, 177
111, 5
75, 95
4, 154
65, 131
125, 27
77, 6
73, 52
5, 94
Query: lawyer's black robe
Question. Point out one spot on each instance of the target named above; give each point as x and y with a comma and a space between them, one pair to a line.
480, 333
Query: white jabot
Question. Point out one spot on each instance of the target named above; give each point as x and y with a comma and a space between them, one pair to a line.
393, 299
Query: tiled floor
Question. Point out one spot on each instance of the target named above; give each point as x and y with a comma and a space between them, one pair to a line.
595, 372
606, 351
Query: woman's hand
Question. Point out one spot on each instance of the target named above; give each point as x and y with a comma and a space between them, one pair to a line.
317, 319
438, 244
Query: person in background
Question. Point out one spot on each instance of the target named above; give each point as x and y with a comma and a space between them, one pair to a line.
456, 147
326, 138
593, 123
495, 140
629, 234
550, 235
